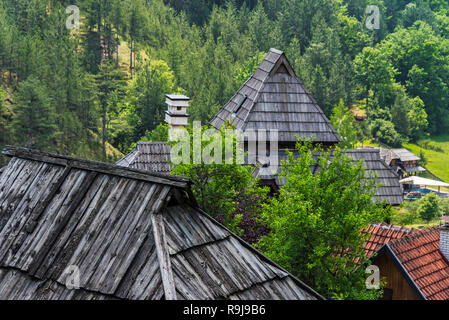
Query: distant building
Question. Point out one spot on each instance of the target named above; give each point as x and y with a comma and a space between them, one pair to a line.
150, 156
73, 229
273, 98
413, 262
388, 187
402, 161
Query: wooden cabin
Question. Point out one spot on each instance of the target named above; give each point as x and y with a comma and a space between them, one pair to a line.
131, 234
274, 98
402, 161
412, 262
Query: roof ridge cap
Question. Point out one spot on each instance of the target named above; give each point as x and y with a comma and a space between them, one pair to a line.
276, 51
103, 167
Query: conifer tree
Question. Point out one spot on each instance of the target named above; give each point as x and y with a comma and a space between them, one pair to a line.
34, 121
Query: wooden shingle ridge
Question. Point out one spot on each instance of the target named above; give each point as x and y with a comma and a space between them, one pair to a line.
130, 238
275, 99
102, 167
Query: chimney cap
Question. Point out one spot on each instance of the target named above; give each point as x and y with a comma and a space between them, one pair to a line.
177, 97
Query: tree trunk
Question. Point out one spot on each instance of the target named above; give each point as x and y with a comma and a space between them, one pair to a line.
131, 58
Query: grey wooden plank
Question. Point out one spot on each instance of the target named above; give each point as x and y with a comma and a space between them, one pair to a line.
15, 235
163, 256
37, 268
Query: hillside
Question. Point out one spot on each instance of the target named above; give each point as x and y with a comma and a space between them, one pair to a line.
64, 86
436, 154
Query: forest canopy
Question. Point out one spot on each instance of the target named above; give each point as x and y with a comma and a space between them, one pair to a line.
94, 91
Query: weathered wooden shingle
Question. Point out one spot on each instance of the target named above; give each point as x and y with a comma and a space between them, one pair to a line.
150, 156
277, 100
120, 229
388, 186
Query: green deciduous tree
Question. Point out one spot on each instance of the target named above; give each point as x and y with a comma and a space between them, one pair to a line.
408, 115
415, 11
317, 219
343, 121
428, 207
226, 191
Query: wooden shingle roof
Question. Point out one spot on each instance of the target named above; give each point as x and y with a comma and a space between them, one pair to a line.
274, 98
132, 234
150, 156
388, 189
402, 154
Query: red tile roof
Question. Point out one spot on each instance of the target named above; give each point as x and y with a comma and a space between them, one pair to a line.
382, 234
420, 256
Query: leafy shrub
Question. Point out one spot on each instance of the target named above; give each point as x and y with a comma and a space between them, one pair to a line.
428, 207
444, 207
383, 131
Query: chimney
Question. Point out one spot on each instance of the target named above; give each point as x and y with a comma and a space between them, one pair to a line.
444, 237
176, 116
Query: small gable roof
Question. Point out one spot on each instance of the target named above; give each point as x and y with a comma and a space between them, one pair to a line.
150, 156
420, 256
132, 234
402, 154
274, 98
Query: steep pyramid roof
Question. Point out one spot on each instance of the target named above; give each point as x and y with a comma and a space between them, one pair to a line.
274, 98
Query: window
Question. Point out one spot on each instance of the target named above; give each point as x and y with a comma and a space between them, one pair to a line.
239, 105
